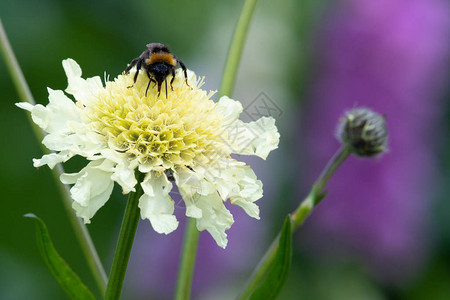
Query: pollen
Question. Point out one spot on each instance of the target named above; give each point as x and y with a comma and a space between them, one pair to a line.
180, 130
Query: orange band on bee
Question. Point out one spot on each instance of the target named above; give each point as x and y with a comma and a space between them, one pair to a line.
161, 57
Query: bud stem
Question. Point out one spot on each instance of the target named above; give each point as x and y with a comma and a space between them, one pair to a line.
297, 218
316, 193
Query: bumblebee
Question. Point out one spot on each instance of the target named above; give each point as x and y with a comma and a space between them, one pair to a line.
158, 62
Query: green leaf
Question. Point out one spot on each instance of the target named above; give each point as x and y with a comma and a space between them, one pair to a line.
319, 197
67, 279
277, 274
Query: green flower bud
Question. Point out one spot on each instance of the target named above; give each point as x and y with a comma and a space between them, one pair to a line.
364, 132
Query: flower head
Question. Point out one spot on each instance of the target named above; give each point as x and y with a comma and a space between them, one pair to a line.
380, 210
364, 132
184, 137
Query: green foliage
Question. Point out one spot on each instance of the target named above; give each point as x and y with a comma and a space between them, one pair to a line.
278, 272
67, 279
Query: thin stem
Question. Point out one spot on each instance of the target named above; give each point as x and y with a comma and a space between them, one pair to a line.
125, 243
13, 66
316, 192
236, 47
187, 263
81, 232
331, 167
19, 80
298, 217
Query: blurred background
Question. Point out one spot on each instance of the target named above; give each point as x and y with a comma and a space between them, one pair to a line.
383, 231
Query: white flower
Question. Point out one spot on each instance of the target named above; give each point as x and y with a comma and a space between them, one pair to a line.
186, 135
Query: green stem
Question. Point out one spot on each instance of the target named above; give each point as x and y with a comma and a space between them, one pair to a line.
125, 242
236, 47
81, 232
316, 192
297, 218
337, 159
13, 66
187, 263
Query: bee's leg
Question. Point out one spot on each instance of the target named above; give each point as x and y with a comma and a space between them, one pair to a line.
148, 85
173, 78
132, 64
159, 88
138, 67
185, 72
151, 79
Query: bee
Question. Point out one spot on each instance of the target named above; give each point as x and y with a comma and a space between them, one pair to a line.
158, 62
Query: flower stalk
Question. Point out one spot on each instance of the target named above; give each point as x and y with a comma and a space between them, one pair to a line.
13, 66
236, 48
187, 263
189, 252
81, 232
297, 217
125, 242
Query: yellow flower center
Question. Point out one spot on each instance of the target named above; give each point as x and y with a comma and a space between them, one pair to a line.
181, 129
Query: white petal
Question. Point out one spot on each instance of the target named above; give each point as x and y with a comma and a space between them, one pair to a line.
204, 204
124, 176
87, 143
39, 113
229, 109
190, 184
61, 119
123, 173
57, 118
240, 185
156, 204
54, 116
254, 138
72, 68
25, 105
145, 167
82, 89
215, 217
91, 190
250, 208
60, 141
61, 111
52, 159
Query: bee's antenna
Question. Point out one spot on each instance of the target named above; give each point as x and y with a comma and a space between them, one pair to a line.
166, 86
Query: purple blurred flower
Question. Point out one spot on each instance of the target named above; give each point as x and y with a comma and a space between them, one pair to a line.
390, 56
